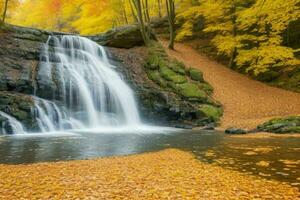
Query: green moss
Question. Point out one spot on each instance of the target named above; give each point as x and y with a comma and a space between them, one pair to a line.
282, 125
206, 87
170, 75
191, 90
154, 61
177, 67
211, 112
196, 75
154, 75
20, 115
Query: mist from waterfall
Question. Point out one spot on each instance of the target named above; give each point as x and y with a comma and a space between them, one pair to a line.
91, 93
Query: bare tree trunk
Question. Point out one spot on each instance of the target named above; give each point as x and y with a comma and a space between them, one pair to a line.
124, 12
145, 35
147, 11
159, 8
171, 18
132, 12
5, 11
232, 62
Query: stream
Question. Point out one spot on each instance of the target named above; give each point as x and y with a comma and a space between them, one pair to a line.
270, 158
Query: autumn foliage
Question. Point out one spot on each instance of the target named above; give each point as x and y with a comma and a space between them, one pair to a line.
248, 32
255, 35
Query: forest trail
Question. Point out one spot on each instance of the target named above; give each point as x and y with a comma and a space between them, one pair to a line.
246, 102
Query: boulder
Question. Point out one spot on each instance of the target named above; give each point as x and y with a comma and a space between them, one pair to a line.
121, 37
281, 125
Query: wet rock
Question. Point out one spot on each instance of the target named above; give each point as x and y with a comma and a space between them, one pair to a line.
208, 127
235, 131
19, 106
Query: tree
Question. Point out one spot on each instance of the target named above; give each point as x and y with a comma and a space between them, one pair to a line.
6, 5
171, 18
263, 25
5, 10
159, 8
141, 21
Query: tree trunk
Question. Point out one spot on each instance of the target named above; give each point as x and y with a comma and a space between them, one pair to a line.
232, 62
147, 11
171, 18
124, 13
5, 11
132, 12
159, 8
138, 7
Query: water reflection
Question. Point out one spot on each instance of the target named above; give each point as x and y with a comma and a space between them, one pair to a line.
275, 158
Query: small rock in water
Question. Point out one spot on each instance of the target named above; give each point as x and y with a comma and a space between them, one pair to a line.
235, 131
208, 127
184, 126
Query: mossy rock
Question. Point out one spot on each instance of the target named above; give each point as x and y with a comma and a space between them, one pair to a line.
20, 115
177, 67
154, 61
170, 75
211, 112
206, 87
191, 91
154, 75
282, 125
196, 75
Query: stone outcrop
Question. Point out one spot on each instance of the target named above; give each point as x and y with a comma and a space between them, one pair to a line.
166, 92
21, 76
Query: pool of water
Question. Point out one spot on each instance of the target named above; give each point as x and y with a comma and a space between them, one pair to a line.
271, 158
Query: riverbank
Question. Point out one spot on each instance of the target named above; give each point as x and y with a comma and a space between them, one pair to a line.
247, 103
168, 174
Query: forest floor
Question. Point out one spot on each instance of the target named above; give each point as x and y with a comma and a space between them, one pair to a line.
168, 174
246, 102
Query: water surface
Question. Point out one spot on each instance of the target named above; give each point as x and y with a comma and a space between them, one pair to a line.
271, 158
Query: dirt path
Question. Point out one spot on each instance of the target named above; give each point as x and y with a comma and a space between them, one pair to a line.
246, 102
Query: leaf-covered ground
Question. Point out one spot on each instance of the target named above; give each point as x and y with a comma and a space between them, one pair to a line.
169, 174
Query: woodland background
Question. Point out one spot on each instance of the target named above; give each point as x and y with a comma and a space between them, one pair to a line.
260, 38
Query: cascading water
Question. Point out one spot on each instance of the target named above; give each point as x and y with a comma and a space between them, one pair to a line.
91, 93
11, 124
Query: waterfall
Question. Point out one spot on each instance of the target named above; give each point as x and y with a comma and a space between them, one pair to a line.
11, 124
88, 92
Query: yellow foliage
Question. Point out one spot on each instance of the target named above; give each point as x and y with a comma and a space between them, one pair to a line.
251, 28
82, 16
263, 58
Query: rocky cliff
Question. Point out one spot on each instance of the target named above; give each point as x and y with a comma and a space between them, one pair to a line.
21, 76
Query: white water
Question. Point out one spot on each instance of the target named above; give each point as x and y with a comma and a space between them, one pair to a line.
93, 94
15, 125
